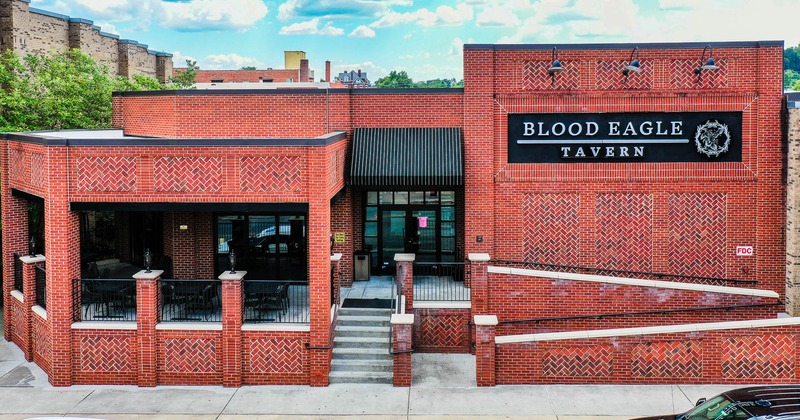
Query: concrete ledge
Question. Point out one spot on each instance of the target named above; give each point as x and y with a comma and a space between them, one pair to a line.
189, 326
16, 294
336, 257
431, 304
239, 275
405, 257
478, 257
277, 327
486, 320
152, 275
38, 310
402, 319
635, 282
97, 325
665, 329
27, 259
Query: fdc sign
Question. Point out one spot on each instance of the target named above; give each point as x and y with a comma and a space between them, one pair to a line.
744, 251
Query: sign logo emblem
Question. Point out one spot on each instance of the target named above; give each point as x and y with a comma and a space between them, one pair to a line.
712, 138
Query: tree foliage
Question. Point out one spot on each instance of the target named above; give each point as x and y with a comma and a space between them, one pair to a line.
187, 78
401, 80
248, 68
791, 66
60, 90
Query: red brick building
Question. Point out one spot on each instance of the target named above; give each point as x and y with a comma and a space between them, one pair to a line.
586, 196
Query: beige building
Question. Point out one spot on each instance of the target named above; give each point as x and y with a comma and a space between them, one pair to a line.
25, 29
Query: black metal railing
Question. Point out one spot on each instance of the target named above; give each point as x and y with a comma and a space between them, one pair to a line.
41, 287
284, 301
191, 300
106, 300
623, 273
440, 281
17, 273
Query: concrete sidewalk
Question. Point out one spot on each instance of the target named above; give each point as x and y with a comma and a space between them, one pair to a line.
442, 387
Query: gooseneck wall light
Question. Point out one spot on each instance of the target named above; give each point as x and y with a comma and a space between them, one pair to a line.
633, 64
706, 64
555, 66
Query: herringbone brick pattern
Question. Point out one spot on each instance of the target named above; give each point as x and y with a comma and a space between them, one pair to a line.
682, 75
107, 354
276, 355
42, 343
608, 75
578, 361
270, 173
536, 77
551, 226
697, 234
38, 170
336, 166
98, 173
19, 165
190, 355
187, 174
17, 316
766, 356
624, 231
442, 331
667, 359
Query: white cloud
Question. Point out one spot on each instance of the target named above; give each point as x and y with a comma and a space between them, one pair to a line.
444, 15
311, 27
374, 71
197, 15
497, 16
179, 60
107, 28
362, 32
336, 9
229, 61
457, 46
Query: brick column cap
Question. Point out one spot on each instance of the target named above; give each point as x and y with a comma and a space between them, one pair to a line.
479, 257
336, 257
405, 257
486, 320
27, 259
152, 275
227, 275
402, 319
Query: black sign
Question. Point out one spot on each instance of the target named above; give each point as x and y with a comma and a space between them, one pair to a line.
625, 137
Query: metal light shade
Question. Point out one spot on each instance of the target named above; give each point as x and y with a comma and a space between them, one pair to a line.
555, 67
710, 64
232, 261
634, 66
148, 261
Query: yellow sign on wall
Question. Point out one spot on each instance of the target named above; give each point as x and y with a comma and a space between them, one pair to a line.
338, 237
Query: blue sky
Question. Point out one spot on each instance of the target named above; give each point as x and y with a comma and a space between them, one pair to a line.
424, 38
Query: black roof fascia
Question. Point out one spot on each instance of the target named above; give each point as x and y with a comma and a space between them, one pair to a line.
189, 207
165, 142
216, 92
624, 46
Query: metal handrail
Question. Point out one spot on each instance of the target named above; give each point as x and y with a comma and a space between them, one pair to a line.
284, 301
444, 281
191, 300
41, 287
18, 285
105, 299
638, 273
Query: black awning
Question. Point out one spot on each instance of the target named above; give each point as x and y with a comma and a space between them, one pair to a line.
189, 207
407, 157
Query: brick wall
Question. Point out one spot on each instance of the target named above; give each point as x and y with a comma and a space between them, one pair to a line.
747, 356
189, 357
272, 358
792, 212
42, 342
104, 357
30, 30
442, 331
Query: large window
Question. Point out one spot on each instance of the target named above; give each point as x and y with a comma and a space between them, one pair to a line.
267, 246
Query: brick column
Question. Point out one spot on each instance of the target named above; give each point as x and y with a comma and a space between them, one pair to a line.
15, 230
405, 278
147, 285
484, 357
232, 292
402, 348
29, 300
336, 260
319, 266
479, 283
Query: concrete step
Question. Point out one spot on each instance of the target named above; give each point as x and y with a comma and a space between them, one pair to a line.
361, 353
366, 321
361, 365
358, 331
361, 342
365, 312
343, 377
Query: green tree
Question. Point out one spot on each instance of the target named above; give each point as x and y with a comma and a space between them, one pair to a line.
248, 68
395, 80
790, 78
187, 78
60, 90
440, 83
